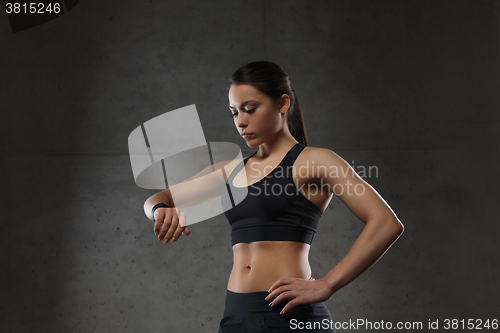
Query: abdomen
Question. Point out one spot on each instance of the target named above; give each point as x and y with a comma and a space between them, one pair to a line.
258, 265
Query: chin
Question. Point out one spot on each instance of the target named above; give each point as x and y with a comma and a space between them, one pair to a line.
251, 143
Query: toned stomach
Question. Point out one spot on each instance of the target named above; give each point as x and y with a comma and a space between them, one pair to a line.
258, 265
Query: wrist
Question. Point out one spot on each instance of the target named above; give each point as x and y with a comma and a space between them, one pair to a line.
333, 282
155, 207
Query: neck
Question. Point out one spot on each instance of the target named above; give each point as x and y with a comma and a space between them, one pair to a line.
279, 143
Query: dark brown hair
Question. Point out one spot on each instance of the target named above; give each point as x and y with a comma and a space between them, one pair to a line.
271, 79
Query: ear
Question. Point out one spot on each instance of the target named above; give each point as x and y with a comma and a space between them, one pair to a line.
284, 103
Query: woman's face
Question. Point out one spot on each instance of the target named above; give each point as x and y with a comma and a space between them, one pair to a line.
255, 113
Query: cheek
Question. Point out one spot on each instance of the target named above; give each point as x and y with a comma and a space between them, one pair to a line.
271, 122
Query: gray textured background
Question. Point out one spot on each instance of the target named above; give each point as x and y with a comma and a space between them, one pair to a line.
411, 87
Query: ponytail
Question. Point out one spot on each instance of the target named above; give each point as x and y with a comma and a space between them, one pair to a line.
295, 121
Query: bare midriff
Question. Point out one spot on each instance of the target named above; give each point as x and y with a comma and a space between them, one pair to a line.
258, 265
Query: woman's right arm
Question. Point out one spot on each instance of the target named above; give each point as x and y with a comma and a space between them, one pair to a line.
202, 187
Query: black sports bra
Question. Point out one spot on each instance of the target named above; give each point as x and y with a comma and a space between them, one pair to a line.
273, 208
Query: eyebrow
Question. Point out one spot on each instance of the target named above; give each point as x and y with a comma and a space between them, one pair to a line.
242, 104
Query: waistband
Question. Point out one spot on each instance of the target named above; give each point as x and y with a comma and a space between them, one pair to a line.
254, 304
252, 308
245, 304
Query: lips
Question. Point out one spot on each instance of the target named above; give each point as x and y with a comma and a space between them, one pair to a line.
246, 135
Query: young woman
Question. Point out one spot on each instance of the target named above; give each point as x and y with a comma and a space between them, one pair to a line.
288, 186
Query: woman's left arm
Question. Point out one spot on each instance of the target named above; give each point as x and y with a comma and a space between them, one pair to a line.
382, 229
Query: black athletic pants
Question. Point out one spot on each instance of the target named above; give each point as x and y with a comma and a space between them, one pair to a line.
251, 313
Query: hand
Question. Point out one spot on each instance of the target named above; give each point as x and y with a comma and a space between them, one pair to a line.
299, 291
170, 223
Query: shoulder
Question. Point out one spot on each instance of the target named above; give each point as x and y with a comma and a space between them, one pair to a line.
321, 156
321, 163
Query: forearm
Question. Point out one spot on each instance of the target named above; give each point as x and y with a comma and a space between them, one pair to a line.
155, 199
375, 239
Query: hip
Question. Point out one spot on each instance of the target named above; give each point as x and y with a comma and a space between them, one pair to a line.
251, 312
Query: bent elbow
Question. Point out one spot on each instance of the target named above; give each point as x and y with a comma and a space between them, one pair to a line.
398, 228
402, 228
392, 227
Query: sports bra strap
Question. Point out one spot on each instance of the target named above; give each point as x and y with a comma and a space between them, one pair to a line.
286, 162
292, 154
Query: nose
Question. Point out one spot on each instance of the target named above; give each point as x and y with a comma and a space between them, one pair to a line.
241, 120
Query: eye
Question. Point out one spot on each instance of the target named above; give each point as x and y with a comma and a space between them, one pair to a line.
247, 111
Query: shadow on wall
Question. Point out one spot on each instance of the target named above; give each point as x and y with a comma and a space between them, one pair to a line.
44, 98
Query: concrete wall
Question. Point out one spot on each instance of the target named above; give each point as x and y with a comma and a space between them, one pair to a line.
411, 87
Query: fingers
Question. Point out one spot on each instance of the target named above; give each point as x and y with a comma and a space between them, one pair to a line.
158, 219
164, 218
280, 282
291, 295
278, 295
290, 305
279, 287
286, 289
173, 227
181, 216
170, 224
